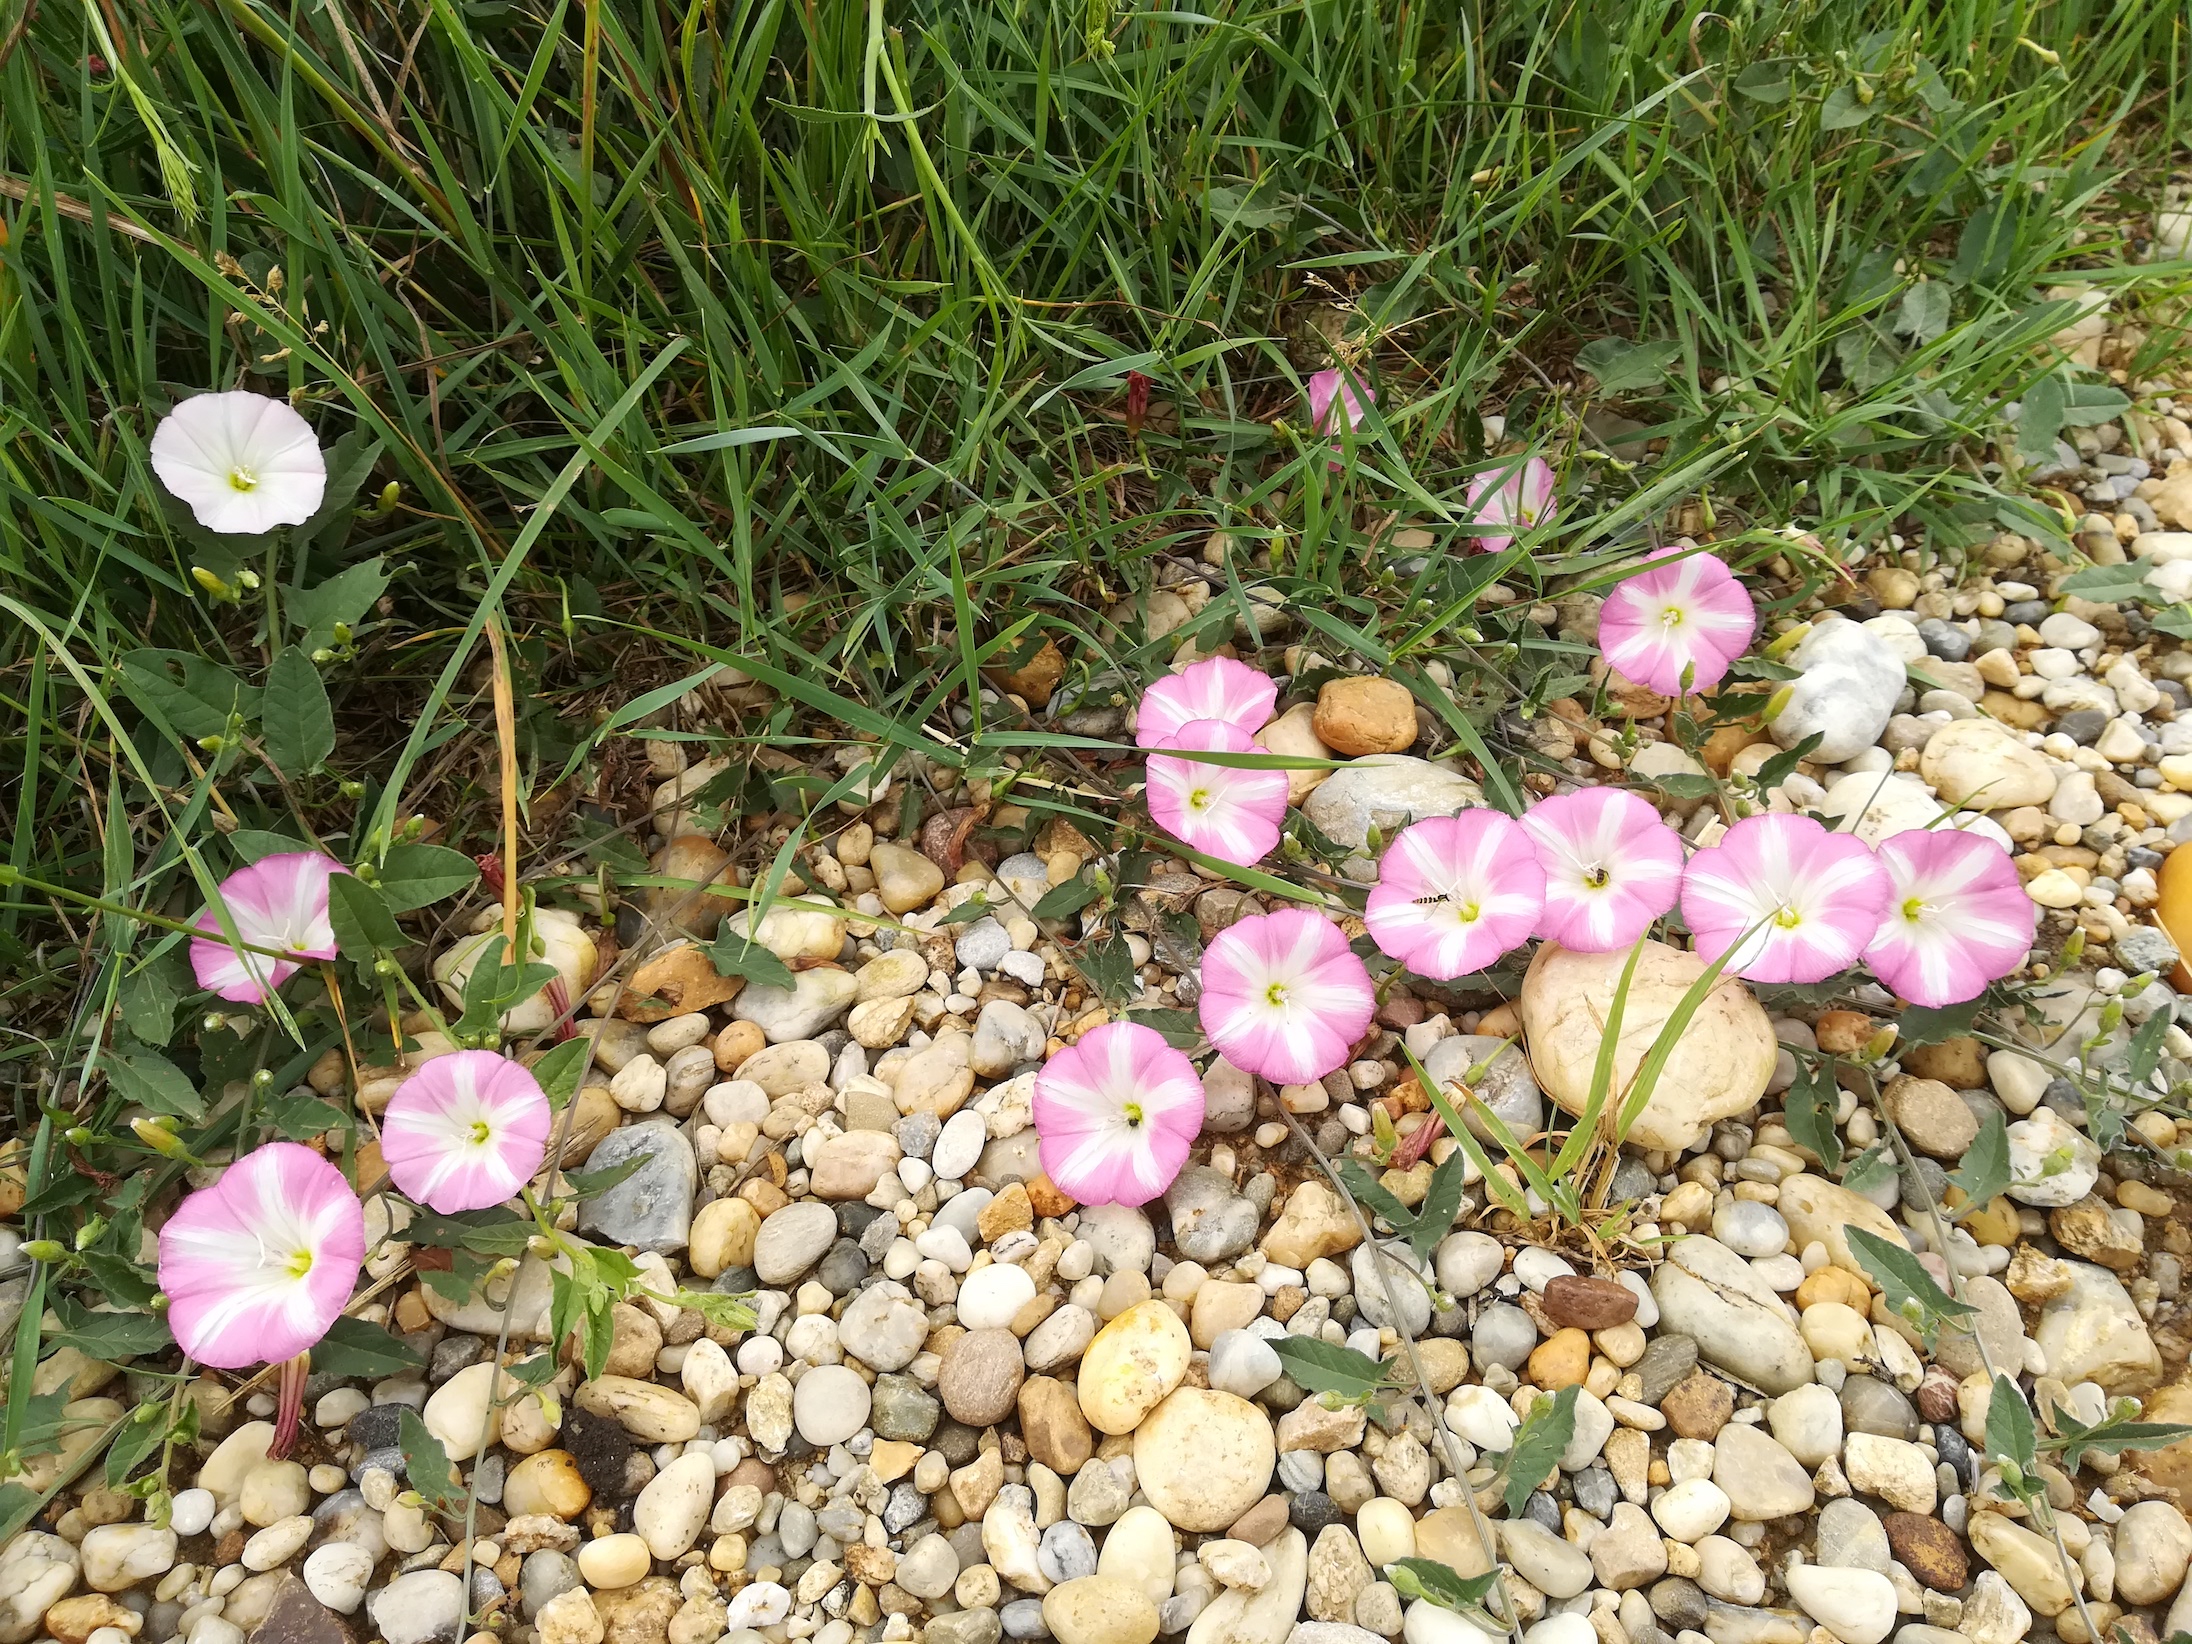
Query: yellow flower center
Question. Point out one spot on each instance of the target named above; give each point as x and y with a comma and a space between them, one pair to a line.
300, 1263
1596, 877
1133, 1115
1275, 994
1788, 919
1199, 800
1671, 617
241, 478
479, 1133
1914, 909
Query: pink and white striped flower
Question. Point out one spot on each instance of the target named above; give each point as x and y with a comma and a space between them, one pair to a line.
1518, 493
1284, 995
257, 1266
1456, 892
1336, 402
466, 1131
1115, 1114
1611, 867
1219, 688
278, 902
1957, 916
1677, 625
1794, 902
1225, 811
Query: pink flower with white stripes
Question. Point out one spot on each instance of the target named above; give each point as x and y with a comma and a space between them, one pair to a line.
1337, 400
1230, 692
1516, 493
466, 1131
1285, 996
278, 902
1456, 892
259, 1265
1957, 916
1226, 811
1676, 626
1791, 901
1115, 1114
1611, 867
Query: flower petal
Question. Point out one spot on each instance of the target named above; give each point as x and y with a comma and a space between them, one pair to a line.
257, 1266
1284, 996
1223, 811
243, 463
466, 1131
277, 902
1456, 892
1219, 688
1115, 1115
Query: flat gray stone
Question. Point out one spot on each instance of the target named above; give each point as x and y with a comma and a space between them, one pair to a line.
651, 1209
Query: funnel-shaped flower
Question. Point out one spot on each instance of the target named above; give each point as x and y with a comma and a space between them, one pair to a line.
1224, 811
257, 1266
243, 462
1611, 867
1456, 892
1795, 902
1677, 625
1517, 493
1336, 402
466, 1131
1115, 1115
1284, 995
1220, 688
278, 902
1957, 916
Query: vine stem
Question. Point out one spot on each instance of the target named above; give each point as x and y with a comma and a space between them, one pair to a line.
1431, 1401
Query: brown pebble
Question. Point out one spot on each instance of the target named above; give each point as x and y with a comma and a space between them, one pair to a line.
1930, 1550
1936, 1396
1056, 1431
1589, 1303
1843, 1032
981, 1375
1698, 1406
1261, 1524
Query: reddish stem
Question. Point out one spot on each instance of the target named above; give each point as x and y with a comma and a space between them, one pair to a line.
290, 1411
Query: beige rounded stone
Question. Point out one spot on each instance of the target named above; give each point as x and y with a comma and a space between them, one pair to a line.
1294, 734
1135, 1360
1204, 1458
1099, 1609
547, 1482
723, 1237
614, 1561
1985, 765
904, 879
1720, 1065
1365, 716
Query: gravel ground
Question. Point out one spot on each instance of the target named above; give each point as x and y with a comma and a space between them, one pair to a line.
971, 1409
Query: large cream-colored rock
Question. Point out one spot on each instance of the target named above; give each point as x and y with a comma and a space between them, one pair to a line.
1822, 1212
1135, 1360
1985, 765
558, 940
1203, 1458
1719, 1067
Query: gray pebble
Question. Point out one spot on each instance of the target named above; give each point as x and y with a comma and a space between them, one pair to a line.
1067, 1552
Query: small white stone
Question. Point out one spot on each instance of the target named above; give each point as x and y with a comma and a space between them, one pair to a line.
338, 1575
191, 1511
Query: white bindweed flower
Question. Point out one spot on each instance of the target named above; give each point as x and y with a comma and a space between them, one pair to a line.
243, 462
